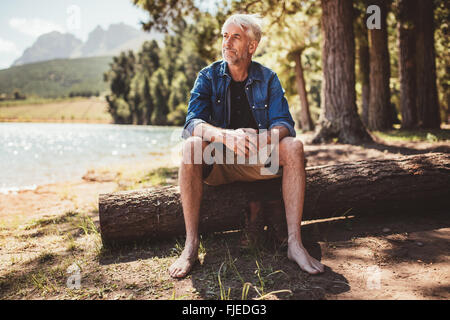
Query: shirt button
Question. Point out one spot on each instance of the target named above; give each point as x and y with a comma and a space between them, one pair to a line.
253, 107
260, 124
218, 101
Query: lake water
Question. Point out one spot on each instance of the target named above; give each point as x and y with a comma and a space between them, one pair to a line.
32, 154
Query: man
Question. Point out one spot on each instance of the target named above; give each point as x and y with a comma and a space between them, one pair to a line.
231, 104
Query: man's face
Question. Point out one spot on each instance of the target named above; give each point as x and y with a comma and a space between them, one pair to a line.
236, 45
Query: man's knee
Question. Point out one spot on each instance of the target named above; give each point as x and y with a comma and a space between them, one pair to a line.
291, 150
292, 145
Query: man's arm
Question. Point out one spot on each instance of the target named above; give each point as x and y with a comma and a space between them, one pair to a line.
209, 133
199, 107
279, 115
239, 140
282, 133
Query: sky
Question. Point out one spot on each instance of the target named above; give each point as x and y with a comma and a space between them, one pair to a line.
23, 21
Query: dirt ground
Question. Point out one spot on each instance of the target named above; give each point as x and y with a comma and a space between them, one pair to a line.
47, 232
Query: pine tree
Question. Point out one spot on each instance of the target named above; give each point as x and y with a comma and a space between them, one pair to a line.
339, 117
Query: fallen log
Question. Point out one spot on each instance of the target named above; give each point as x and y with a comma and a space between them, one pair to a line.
418, 182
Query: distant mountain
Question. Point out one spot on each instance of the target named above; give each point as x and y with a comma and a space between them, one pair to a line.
118, 37
53, 45
56, 78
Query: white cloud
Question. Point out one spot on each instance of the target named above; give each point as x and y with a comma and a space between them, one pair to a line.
34, 27
8, 47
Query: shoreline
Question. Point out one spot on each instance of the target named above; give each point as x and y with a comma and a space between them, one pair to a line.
50, 228
19, 120
77, 194
126, 169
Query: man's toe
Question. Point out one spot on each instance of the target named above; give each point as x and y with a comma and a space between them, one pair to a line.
310, 269
318, 266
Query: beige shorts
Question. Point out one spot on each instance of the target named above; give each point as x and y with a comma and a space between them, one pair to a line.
218, 174
228, 173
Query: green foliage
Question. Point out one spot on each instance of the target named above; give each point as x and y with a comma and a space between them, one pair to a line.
179, 90
85, 93
158, 91
282, 43
178, 116
120, 77
55, 78
442, 18
162, 14
152, 87
159, 85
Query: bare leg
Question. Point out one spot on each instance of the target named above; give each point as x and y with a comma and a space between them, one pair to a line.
253, 225
293, 185
191, 190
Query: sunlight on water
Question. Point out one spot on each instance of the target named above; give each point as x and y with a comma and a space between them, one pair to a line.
38, 153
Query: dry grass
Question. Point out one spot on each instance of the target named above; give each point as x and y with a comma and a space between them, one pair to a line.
38, 254
68, 110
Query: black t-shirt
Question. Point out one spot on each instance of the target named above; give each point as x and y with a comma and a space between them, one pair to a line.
241, 114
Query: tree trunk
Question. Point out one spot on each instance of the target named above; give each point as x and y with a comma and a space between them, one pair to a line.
380, 110
407, 11
339, 117
362, 38
305, 116
364, 71
418, 182
427, 98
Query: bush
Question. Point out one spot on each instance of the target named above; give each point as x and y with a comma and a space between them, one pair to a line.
178, 116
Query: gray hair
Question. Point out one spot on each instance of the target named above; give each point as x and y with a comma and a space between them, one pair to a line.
249, 23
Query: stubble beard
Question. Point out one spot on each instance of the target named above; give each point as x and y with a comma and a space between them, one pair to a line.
234, 59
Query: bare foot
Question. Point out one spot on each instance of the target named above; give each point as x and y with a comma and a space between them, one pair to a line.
183, 265
297, 253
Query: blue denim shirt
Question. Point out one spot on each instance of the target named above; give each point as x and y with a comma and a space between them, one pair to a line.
210, 99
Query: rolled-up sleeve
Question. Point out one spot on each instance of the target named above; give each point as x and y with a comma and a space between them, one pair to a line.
279, 114
189, 127
199, 108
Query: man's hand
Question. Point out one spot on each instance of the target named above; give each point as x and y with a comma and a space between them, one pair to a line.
243, 142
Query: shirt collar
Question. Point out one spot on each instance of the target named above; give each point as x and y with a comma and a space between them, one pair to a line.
253, 74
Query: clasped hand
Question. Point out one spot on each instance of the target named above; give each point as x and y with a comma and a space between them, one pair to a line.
244, 142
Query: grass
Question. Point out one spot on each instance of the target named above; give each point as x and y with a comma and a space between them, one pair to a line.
57, 110
37, 253
56, 78
417, 135
41, 282
50, 220
161, 176
36, 101
46, 257
73, 237
414, 135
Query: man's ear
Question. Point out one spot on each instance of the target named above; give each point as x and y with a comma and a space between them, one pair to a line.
252, 46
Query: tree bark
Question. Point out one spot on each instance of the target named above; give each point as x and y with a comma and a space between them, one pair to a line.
418, 182
361, 35
339, 117
380, 110
427, 98
305, 115
364, 71
406, 28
